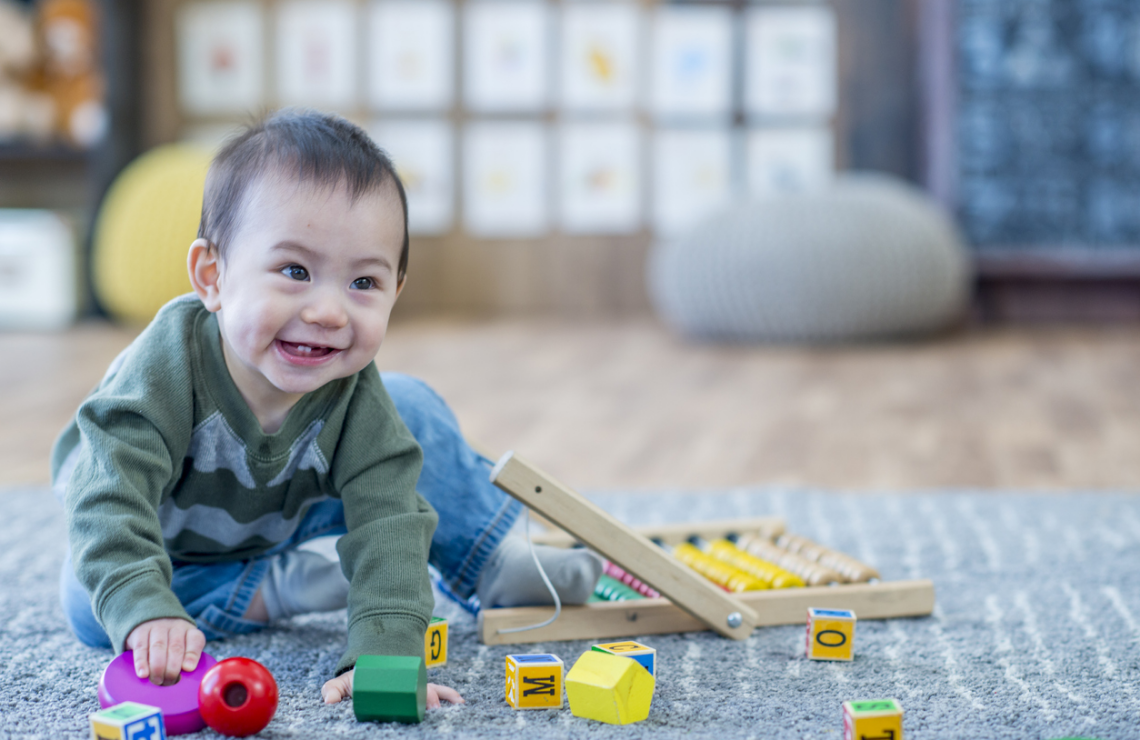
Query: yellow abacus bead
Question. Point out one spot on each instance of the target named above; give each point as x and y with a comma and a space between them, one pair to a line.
812, 573
773, 575
733, 579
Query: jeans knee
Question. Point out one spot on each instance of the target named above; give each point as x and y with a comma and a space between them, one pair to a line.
409, 388
416, 401
80, 618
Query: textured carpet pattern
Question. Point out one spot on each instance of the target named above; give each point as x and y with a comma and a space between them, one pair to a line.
1036, 633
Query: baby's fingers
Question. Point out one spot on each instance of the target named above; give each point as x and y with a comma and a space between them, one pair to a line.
195, 644
141, 655
436, 692
159, 654
336, 689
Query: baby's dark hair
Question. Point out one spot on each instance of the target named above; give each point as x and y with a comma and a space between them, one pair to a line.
313, 147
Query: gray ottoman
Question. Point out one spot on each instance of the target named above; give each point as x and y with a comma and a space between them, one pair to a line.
869, 257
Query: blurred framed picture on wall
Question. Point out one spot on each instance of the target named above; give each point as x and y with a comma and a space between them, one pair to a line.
791, 62
692, 175
424, 154
691, 63
411, 62
505, 49
504, 179
316, 53
599, 175
600, 49
790, 160
220, 52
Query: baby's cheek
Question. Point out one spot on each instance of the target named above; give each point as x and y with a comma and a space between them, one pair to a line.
268, 322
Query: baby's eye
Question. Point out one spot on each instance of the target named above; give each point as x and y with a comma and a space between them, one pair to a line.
296, 272
364, 283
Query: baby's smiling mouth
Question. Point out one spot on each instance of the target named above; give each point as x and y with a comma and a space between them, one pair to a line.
295, 349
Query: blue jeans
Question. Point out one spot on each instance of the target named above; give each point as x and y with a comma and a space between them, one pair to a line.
474, 516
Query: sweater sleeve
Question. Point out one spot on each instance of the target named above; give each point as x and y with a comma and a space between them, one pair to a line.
128, 439
384, 555
124, 465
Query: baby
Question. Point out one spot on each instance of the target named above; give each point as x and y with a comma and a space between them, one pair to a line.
249, 418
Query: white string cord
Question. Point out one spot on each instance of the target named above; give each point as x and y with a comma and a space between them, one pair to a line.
549, 586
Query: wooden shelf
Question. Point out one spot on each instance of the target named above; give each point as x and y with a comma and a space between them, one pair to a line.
24, 153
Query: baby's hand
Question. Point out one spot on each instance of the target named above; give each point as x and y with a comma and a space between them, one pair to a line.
164, 648
340, 687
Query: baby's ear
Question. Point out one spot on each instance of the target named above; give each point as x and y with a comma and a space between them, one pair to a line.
204, 267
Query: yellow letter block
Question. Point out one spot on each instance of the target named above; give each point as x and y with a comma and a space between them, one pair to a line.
435, 643
872, 720
609, 688
128, 721
534, 681
831, 634
643, 654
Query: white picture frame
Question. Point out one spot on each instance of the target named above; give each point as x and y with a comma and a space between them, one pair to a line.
505, 179
411, 57
505, 50
790, 66
692, 175
316, 53
599, 174
423, 152
691, 62
783, 161
221, 57
599, 54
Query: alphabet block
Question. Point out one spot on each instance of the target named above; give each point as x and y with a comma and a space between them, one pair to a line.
609, 688
830, 634
128, 721
435, 643
534, 681
389, 688
872, 720
643, 654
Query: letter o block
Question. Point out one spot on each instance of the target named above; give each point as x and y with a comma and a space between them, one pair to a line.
609, 688
435, 643
534, 681
389, 688
831, 634
880, 719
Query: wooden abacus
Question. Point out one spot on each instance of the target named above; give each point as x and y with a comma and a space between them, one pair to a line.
688, 602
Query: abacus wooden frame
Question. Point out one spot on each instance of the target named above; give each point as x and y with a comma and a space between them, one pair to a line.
660, 616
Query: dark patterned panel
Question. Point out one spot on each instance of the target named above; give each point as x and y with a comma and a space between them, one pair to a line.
1048, 127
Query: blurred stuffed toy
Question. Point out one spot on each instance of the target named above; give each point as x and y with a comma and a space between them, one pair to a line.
24, 111
69, 73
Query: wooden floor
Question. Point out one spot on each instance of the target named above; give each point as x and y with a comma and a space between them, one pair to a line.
623, 404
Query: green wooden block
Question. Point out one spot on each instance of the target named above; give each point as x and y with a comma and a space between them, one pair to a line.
389, 688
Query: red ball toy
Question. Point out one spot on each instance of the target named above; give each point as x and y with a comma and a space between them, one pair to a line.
237, 697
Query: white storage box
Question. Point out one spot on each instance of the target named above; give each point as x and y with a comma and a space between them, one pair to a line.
38, 283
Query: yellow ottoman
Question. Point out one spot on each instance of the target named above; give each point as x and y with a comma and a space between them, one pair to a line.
144, 230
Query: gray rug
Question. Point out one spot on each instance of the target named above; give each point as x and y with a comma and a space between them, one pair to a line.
1036, 633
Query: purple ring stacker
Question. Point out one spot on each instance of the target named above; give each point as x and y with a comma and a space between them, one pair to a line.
179, 703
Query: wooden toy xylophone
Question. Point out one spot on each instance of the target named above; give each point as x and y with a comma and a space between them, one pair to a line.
646, 560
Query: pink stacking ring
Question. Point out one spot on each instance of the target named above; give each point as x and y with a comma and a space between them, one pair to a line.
179, 703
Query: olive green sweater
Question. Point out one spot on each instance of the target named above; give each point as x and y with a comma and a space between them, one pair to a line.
164, 460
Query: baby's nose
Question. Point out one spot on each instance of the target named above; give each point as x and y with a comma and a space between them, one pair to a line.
325, 311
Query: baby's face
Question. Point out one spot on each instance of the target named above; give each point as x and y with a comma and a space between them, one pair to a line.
307, 285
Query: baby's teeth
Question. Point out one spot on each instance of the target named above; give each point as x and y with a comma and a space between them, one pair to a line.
304, 348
